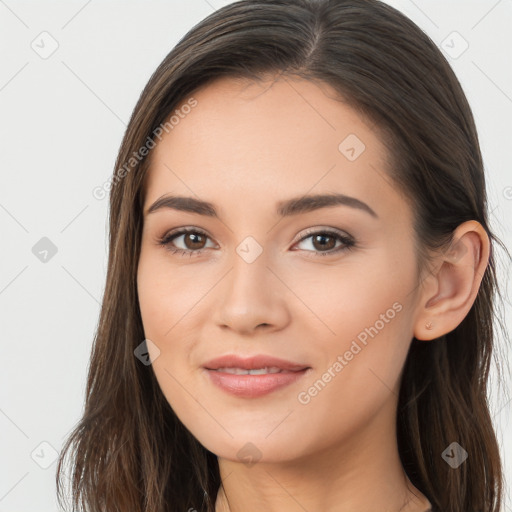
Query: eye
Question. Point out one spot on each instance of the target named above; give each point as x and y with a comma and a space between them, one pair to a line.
324, 242
193, 239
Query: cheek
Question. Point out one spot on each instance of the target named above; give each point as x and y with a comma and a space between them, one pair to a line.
362, 339
166, 300
361, 376
166, 295
357, 295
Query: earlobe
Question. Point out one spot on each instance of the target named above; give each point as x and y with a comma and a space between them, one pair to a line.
453, 286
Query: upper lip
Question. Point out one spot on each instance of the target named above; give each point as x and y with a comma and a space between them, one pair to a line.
253, 362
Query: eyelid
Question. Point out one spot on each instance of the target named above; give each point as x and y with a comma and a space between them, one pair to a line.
320, 229
347, 239
298, 238
185, 230
176, 233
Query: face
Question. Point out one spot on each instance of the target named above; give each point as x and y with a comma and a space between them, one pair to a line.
328, 286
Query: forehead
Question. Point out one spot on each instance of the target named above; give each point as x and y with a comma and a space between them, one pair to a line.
279, 137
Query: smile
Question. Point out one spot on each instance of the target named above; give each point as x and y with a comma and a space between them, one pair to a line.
253, 383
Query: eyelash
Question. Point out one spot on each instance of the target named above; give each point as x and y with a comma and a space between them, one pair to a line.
165, 241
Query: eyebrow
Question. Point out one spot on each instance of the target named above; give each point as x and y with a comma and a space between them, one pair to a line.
289, 207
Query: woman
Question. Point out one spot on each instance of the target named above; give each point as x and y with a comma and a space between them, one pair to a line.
299, 299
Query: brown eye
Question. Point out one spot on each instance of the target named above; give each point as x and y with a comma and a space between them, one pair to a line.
194, 240
185, 241
324, 243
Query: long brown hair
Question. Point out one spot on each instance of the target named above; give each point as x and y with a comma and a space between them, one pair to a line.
130, 452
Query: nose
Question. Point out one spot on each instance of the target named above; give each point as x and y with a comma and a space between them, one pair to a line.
251, 296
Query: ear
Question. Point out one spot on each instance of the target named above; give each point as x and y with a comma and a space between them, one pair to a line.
450, 290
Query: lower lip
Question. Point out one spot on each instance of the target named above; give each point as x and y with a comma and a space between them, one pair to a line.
251, 386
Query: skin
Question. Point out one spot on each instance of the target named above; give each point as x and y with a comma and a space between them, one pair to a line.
245, 147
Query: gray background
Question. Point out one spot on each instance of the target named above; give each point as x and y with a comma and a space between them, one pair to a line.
62, 117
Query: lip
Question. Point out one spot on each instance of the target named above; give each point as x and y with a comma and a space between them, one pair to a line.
253, 362
253, 386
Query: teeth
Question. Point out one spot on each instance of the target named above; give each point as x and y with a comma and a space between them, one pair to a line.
242, 371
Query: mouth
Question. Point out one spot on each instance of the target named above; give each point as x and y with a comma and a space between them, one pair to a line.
244, 371
260, 362
255, 376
